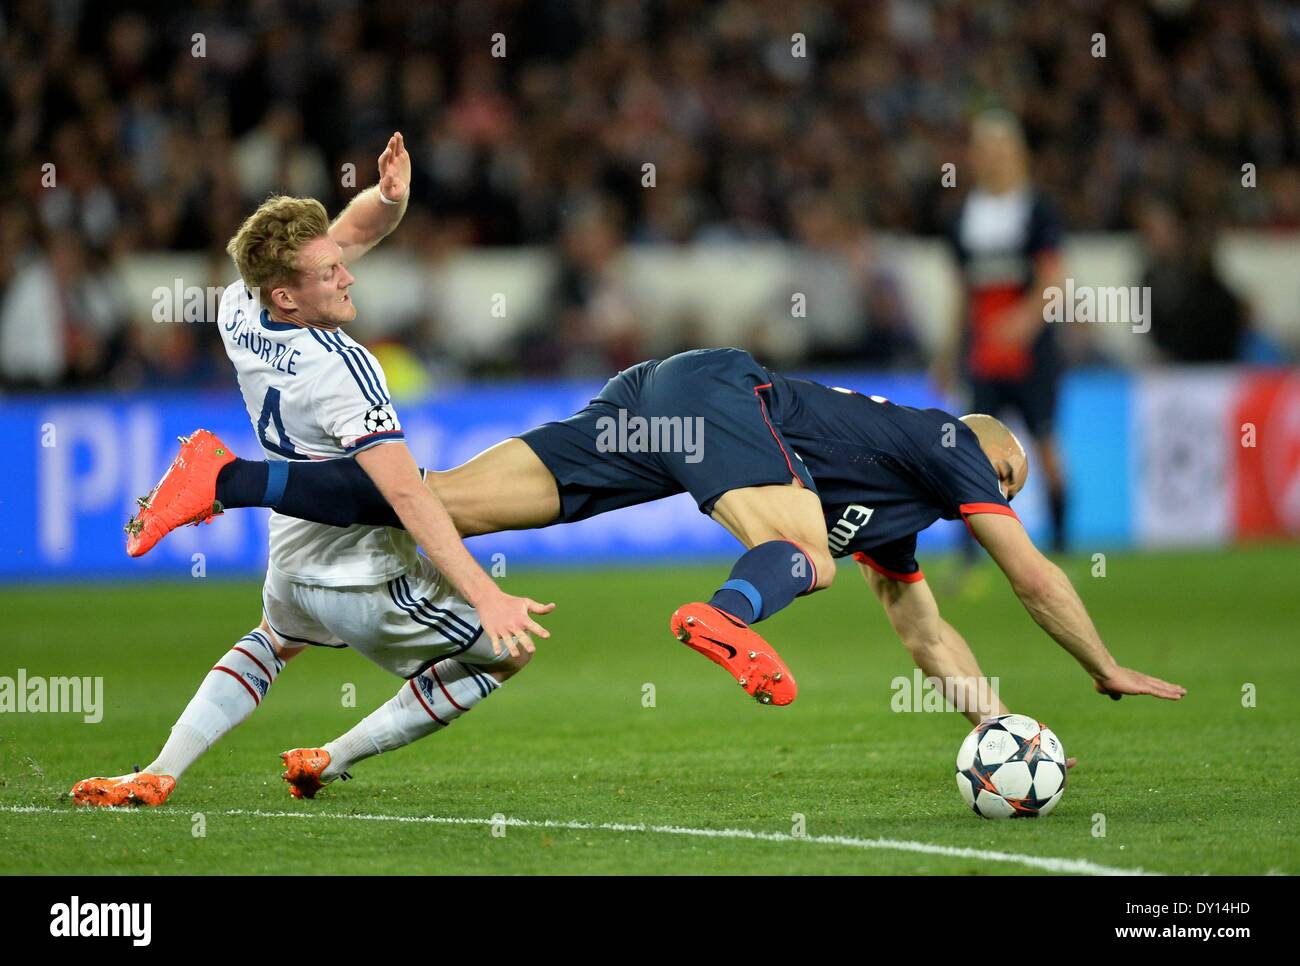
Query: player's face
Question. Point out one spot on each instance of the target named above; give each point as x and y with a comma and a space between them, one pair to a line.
1010, 482
996, 155
321, 290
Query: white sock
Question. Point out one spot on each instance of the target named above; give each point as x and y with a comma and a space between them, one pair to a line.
231, 692
429, 702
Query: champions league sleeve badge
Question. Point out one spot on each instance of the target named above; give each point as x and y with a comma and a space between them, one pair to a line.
380, 419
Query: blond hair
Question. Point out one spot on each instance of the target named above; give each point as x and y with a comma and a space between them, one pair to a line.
266, 247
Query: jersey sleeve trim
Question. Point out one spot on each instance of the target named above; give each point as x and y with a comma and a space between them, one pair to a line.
373, 439
913, 578
970, 509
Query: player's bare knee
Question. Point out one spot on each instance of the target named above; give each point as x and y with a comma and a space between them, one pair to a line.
824, 566
284, 650
505, 669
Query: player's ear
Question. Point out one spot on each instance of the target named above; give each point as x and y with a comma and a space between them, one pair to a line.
282, 300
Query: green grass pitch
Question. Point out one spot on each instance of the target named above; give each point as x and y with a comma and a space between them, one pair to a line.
1205, 785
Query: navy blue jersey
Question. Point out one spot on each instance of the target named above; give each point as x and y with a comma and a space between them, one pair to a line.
884, 472
996, 240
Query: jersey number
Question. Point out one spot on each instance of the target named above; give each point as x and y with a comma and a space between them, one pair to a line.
271, 414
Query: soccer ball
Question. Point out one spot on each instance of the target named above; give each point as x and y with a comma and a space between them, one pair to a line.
1011, 767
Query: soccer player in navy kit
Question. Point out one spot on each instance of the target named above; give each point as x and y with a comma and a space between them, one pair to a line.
1007, 240
798, 472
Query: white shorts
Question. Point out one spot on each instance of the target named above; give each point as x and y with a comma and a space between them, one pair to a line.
404, 625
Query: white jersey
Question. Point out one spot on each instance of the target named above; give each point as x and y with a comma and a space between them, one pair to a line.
314, 394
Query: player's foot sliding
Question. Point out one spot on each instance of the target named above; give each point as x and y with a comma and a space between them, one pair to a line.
139, 788
302, 770
426, 703
729, 643
187, 493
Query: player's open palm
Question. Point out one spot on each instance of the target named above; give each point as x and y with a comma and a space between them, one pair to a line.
508, 622
1124, 681
395, 169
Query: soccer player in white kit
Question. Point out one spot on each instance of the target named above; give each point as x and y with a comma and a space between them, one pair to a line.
312, 392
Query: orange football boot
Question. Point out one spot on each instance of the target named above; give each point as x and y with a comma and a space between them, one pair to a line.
728, 642
302, 768
187, 493
139, 788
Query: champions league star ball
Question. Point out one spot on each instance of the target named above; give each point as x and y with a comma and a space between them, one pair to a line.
1011, 767
379, 420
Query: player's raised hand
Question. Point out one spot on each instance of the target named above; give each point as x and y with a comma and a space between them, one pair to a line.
507, 622
395, 169
1122, 681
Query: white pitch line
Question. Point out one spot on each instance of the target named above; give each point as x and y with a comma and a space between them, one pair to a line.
1049, 864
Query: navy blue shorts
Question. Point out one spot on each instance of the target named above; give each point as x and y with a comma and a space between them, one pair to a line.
1033, 397
701, 422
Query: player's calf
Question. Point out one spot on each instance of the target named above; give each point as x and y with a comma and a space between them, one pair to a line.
785, 532
427, 703
767, 579
232, 691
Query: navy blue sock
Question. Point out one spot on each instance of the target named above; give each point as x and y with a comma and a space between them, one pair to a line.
1056, 501
764, 580
338, 492
242, 483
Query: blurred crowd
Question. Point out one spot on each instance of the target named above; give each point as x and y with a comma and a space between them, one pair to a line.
165, 123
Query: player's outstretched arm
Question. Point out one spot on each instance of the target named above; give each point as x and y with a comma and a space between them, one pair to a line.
375, 212
506, 620
936, 647
1052, 601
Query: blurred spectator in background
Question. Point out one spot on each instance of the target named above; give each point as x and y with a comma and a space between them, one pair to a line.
159, 146
1007, 239
61, 321
275, 158
890, 341
839, 305
590, 327
1195, 317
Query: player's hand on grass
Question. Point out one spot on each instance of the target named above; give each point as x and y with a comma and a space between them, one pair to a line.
1122, 681
395, 169
507, 622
